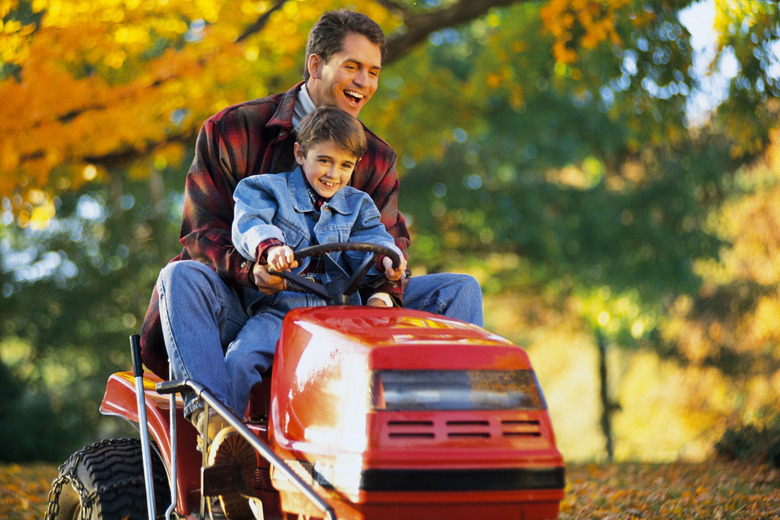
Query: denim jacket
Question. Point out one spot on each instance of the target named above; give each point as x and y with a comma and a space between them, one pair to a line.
280, 207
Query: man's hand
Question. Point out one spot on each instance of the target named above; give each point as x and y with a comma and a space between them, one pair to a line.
394, 274
377, 302
266, 282
279, 259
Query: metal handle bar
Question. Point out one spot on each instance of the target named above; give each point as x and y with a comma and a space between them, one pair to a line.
167, 387
143, 425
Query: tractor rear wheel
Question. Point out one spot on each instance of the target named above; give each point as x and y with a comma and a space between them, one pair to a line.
105, 481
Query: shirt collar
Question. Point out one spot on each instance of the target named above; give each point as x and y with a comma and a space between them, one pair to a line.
303, 106
285, 110
316, 199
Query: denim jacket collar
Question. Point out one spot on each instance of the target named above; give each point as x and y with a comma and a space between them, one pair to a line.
302, 202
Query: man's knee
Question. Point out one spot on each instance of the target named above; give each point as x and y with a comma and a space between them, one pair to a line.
461, 284
473, 287
462, 298
184, 274
183, 269
470, 285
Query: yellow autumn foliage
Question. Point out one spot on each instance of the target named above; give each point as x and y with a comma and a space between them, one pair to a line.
102, 80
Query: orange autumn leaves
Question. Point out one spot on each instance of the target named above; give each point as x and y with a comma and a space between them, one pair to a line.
24, 490
93, 84
632, 491
83, 80
678, 491
581, 23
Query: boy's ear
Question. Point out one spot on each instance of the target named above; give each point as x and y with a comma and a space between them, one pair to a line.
300, 155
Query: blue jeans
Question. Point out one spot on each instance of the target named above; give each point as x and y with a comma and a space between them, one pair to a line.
203, 322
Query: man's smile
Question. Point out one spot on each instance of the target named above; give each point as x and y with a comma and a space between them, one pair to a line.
354, 96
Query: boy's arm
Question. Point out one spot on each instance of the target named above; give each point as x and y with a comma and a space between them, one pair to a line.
255, 206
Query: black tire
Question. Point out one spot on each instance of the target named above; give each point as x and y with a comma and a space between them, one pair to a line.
105, 481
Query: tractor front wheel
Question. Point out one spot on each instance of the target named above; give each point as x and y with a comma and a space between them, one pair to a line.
105, 481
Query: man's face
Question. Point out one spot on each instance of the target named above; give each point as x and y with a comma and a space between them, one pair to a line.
327, 166
349, 78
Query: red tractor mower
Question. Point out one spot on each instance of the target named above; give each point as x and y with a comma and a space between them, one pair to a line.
368, 413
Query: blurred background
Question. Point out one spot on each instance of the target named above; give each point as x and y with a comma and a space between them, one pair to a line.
608, 169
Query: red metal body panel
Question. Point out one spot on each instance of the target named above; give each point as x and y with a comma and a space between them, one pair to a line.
120, 400
321, 415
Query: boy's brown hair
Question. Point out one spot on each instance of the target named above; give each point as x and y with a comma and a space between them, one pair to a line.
332, 124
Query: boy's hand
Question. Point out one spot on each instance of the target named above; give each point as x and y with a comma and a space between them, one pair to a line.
281, 258
394, 274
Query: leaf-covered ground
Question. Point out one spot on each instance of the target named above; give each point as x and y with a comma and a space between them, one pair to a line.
708, 491
711, 491
24, 490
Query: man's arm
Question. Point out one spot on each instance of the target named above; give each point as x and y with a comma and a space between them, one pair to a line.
369, 228
376, 175
208, 207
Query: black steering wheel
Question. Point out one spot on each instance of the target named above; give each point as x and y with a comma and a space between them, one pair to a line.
338, 291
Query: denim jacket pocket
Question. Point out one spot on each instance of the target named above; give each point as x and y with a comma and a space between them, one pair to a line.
294, 238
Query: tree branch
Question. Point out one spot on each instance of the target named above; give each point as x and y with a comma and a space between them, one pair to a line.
261, 22
420, 25
123, 156
390, 5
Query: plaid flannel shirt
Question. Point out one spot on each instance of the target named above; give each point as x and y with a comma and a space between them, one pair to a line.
248, 139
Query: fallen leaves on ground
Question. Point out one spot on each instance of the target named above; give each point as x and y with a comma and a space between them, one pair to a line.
625, 491
712, 491
24, 490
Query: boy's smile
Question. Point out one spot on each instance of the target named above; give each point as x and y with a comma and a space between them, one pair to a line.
327, 166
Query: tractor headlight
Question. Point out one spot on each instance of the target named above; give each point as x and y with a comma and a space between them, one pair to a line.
456, 390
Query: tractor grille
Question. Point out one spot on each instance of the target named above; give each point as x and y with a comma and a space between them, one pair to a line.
514, 428
462, 429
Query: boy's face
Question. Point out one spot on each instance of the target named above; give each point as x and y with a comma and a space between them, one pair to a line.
349, 78
328, 167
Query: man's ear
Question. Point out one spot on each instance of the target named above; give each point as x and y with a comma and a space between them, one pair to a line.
313, 65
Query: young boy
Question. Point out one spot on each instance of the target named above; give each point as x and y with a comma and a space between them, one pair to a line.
312, 204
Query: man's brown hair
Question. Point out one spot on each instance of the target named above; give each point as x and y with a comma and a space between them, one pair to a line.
326, 38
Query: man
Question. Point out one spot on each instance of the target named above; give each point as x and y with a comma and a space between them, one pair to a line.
200, 305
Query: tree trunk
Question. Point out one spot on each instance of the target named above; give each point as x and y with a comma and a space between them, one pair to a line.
608, 407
